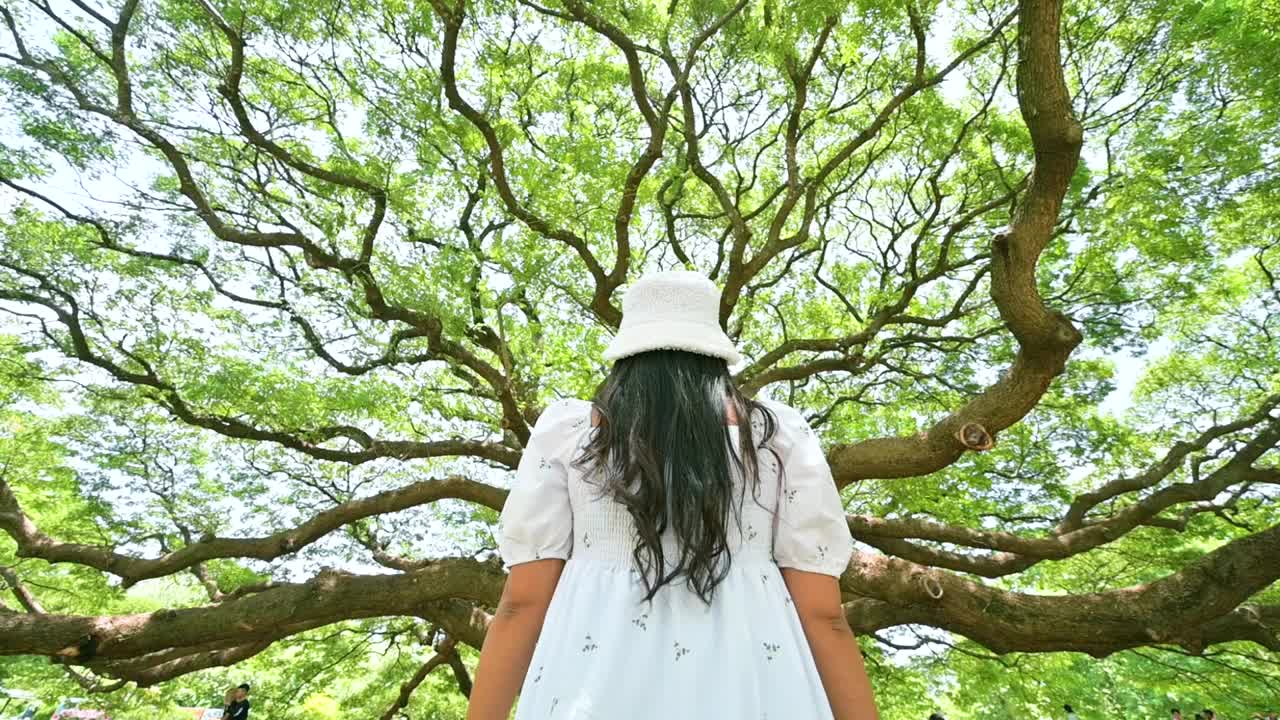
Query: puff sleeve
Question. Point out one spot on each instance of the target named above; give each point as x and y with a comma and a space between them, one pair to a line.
813, 534
537, 522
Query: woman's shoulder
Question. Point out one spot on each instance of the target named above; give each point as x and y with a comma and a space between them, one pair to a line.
564, 414
787, 417
790, 425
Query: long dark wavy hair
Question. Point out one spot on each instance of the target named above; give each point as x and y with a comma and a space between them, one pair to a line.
662, 447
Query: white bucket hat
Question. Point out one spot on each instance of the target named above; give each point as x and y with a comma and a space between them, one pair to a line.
672, 310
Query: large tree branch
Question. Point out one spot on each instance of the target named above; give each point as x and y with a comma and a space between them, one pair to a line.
601, 304
766, 370
309, 442
260, 617
1191, 607
1173, 459
356, 269
458, 618
444, 651
230, 90
657, 122
148, 672
34, 543
1045, 338
24, 595
1014, 553
1198, 605
850, 348
681, 71
1253, 623
741, 271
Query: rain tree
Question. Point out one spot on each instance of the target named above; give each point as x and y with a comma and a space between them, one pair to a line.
286, 284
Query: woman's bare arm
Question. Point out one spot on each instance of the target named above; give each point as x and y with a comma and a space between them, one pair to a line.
835, 650
508, 645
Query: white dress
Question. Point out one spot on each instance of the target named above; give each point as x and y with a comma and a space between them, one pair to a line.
604, 654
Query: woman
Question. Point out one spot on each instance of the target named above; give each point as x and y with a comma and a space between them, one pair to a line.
657, 570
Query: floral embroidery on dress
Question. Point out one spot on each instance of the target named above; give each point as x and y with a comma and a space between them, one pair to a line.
770, 650
590, 646
764, 578
640, 621
822, 552
751, 532
586, 539
538, 677
554, 702
791, 495
544, 464
680, 651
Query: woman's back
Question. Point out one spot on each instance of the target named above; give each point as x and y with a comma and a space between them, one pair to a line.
606, 652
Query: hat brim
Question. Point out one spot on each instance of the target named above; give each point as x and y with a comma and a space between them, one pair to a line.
669, 335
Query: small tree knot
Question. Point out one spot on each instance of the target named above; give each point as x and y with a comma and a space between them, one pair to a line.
1075, 132
975, 437
932, 587
1000, 242
1251, 614
1065, 331
84, 649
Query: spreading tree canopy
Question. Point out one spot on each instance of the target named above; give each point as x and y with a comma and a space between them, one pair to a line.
286, 283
